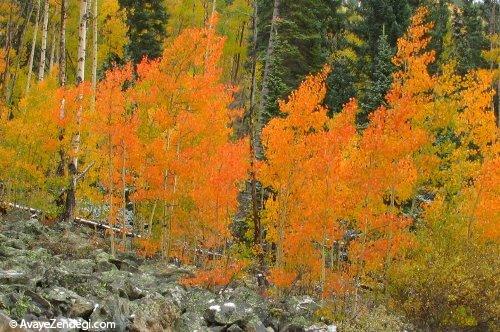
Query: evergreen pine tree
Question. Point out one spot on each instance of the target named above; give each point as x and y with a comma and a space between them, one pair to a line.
146, 20
394, 15
341, 85
382, 78
469, 36
440, 15
301, 45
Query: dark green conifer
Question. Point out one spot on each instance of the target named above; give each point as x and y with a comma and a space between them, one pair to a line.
146, 20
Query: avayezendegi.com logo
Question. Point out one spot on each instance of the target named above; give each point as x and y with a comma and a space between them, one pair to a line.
64, 324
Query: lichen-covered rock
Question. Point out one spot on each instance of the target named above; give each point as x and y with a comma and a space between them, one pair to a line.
228, 313
114, 309
57, 272
254, 325
153, 313
68, 303
13, 277
321, 328
190, 321
234, 328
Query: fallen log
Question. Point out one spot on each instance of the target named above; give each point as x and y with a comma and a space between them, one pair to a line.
78, 220
96, 224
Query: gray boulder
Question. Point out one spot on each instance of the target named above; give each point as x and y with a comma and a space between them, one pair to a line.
190, 321
114, 309
153, 313
228, 313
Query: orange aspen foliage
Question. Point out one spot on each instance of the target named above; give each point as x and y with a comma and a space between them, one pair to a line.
385, 168
214, 276
188, 160
482, 203
114, 127
306, 166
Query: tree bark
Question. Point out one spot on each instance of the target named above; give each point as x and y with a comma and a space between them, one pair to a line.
267, 67
498, 99
52, 49
124, 196
254, 141
94, 48
82, 42
8, 43
43, 50
111, 185
10, 83
237, 57
62, 43
70, 205
33, 44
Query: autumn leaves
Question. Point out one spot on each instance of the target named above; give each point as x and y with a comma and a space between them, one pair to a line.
331, 179
158, 140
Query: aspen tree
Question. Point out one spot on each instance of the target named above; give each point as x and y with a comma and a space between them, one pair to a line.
94, 46
45, 31
273, 35
70, 203
82, 42
52, 57
62, 43
33, 44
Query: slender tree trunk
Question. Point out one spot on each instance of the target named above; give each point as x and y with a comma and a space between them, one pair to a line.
254, 141
8, 43
82, 42
43, 50
498, 99
62, 82
111, 214
165, 224
151, 218
94, 48
33, 44
493, 62
390, 237
62, 43
52, 50
7, 81
174, 203
214, 8
124, 197
267, 67
237, 57
70, 205
323, 264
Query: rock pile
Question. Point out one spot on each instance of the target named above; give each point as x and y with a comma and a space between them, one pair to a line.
66, 273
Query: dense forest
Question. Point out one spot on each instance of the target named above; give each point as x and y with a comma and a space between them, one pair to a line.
343, 149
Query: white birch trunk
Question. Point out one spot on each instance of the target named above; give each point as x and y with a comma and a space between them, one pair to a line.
82, 42
62, 43
43, 51
32, 54
94, 48
52, 49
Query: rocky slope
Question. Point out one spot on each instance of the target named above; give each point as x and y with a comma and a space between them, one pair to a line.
65, 273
